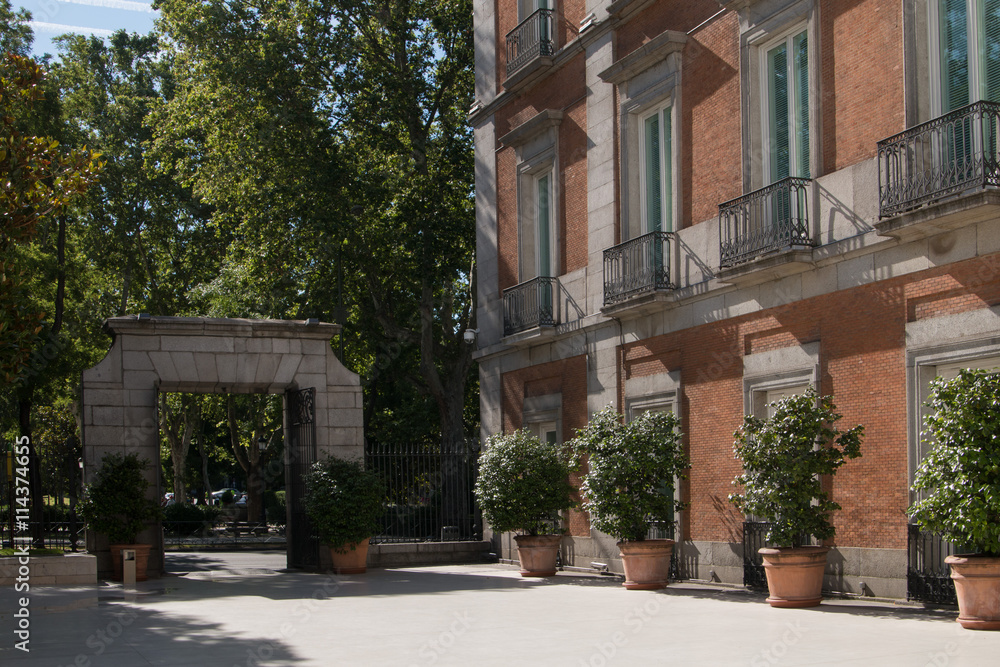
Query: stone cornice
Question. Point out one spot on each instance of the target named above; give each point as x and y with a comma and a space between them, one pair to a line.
144, 325
645, 56
532, 127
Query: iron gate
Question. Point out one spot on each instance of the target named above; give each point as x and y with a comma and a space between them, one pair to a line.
429, 491
754, 534
300, 454
928, 577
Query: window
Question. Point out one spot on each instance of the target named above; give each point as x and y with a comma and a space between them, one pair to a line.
785, 106
545, 431
656, 171
544, 227
965, 53
526, 8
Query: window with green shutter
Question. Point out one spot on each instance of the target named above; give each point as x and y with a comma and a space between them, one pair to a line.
786, 107
967, 54
656, 173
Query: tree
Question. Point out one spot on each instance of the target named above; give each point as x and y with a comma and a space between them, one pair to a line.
330, 137
179, 416
262, 414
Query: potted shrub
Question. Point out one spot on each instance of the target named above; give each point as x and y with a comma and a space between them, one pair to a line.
115, 505
960, 483
783, 458
523, 484
629, 484
344, 503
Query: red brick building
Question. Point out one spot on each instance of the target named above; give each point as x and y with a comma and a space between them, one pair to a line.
698, 207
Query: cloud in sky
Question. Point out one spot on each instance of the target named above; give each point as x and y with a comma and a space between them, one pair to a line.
59, 29
126, 5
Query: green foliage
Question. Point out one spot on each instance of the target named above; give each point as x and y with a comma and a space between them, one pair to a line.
344, 502
115, 503
523, 484
631, 471
186, 519
274, 507
960, 477
783, 457
227, 497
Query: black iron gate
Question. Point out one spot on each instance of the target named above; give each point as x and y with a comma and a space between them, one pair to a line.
300, 454
928, 577
429, 491
754, 534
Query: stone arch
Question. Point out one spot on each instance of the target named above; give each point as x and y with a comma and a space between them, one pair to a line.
214, 355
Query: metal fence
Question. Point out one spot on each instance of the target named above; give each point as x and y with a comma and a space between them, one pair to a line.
928, 577
772, 218
637, 266
430, 491
528, 305
532, 38
948, 155
222, 533
754, 534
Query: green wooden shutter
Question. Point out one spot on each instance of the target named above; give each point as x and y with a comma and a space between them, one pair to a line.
651, 136
667, 199
777, 89
989, 47
800, 64
544, 227
954, 49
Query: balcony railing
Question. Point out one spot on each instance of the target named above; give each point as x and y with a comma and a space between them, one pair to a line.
947, 155
637, 266
528, 305
532, 38
772, 218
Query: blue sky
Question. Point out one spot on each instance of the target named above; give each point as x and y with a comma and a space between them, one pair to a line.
97, 17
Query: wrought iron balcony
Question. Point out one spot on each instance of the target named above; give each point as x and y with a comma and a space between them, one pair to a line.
948, 155
766, 220
638, 266
528, 305
533, 37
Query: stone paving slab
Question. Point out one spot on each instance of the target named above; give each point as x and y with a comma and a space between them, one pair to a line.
242, 610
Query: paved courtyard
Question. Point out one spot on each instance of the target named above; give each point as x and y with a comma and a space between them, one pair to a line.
240, 610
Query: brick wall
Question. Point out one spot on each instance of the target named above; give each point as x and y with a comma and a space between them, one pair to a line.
861, 333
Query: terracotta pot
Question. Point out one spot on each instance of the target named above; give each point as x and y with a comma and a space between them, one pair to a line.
538, 554
977, 585
354, 561
646, 563
141, 560
794, 575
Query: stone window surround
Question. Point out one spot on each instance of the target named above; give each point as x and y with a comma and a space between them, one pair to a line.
778, 369
760, 24
945, 340
661, 391
647, 79
536, 146
542, 409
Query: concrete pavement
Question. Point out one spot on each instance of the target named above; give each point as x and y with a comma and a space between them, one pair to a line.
239, 610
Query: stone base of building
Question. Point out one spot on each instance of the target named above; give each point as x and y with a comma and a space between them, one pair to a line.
68, 570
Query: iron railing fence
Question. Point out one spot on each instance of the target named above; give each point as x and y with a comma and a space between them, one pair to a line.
528, 305
660, 530
637, 266
65, 535
754, 538
772, 218
429, 491
948, 155
533, 37
222, 533
928, 577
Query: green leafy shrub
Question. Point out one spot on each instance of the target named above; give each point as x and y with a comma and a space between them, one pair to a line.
227, 497
274, 507
960, 477
783, 457
186, 519
115, 503
523, 484
631, 471
344, 502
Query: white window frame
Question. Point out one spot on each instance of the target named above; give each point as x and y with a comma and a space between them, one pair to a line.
665, 112
788, 37
537, 177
